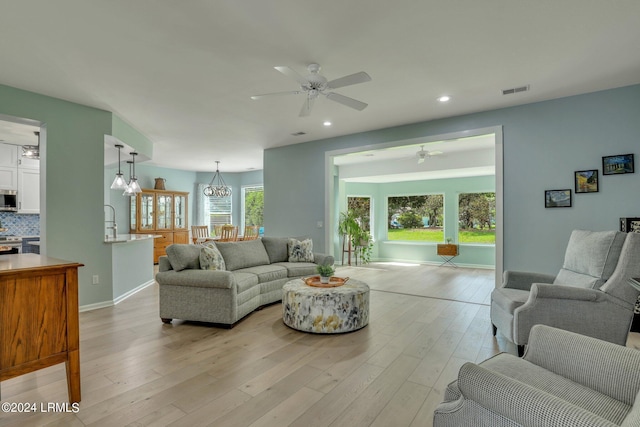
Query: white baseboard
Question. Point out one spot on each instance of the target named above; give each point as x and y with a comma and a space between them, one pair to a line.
118, 299
435, 263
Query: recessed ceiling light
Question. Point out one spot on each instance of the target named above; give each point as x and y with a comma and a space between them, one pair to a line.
444, 98
327, 123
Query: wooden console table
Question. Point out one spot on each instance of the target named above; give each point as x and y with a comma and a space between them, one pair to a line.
39, 324
447, 252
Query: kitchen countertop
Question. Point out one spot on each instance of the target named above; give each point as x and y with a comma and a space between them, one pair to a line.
125, 238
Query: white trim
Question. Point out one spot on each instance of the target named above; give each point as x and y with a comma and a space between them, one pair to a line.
117, 300
436, 263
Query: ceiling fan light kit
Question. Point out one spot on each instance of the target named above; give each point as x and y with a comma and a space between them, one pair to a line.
315, 84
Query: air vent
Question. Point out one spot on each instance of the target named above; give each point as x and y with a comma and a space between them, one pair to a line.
298, 133
515, 90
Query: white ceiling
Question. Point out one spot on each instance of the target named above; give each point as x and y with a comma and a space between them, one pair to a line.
182, 73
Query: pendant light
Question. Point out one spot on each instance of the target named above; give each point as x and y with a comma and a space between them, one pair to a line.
217, 186
133, 187
119, 183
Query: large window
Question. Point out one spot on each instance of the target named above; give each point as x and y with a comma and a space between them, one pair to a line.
417, 218
477, 218
252, 205
219, 211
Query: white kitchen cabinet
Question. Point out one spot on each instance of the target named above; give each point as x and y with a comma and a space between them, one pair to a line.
8, 155
8, 178
28, 191
25, 162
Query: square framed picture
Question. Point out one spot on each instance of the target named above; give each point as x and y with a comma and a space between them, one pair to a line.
586, 181
616, 165
557, 198
630, 225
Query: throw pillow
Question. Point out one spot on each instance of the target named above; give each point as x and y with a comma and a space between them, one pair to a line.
300, 251
211, 258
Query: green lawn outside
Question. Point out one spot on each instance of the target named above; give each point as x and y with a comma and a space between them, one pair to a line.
436, 235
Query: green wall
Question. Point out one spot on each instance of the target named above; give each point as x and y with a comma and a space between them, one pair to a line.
72, 181
543, 144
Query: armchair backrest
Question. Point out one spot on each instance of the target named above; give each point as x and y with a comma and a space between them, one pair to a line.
628, 267
591, 258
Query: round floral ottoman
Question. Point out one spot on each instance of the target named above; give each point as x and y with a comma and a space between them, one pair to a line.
325, 310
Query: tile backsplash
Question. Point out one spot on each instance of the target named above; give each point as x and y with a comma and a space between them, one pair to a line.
20, 224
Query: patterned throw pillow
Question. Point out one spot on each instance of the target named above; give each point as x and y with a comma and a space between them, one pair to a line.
211, 258
300, 251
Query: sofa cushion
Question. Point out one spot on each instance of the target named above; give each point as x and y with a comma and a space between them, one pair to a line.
509, 299
244, 254
245, 281
211, 258
300, 251
266, 273
182, 256
298, 269
590, 258
276, 248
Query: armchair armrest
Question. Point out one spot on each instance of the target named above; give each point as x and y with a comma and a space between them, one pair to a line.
585, 311
523, 280
521, 402
609, 368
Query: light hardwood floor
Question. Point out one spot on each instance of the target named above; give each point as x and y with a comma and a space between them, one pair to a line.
425, 323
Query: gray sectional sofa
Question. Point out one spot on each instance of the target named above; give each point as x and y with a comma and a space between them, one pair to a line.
254, 274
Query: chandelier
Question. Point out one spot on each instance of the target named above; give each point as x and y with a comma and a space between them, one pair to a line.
217, 186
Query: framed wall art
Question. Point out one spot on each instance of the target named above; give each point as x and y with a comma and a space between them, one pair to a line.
557, 198
586, 181
619, 164
630, 225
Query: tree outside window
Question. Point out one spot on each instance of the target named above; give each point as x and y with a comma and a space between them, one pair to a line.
253, 205
476, 218
416, 218
361, 208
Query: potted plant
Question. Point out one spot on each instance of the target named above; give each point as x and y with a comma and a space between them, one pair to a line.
325, 272
349, 228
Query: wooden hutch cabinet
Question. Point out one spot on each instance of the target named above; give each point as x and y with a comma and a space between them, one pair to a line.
163, 213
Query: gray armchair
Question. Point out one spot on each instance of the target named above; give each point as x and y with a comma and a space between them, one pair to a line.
590, 295
563, 380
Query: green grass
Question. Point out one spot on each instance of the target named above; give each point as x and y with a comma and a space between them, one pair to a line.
436, 235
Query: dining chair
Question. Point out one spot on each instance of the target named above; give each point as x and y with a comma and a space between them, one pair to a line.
199, 233
217, 230
229, 233
251, 232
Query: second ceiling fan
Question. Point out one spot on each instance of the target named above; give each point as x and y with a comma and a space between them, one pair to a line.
315, 84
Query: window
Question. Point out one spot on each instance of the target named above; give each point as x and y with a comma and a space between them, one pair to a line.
219, 211
252, 205
477, 218
361, 207
416, 218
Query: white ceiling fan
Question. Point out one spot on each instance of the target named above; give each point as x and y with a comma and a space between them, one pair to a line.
315, 84
423, 154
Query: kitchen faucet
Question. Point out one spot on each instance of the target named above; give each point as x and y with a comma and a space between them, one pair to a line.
114, 227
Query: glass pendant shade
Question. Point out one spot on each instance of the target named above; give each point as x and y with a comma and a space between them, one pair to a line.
119, 183
217, 187
133, 187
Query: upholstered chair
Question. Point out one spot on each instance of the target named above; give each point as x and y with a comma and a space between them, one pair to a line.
591, 295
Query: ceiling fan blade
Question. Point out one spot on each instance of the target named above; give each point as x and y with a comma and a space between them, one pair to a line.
294, 75
345, 100
352, 79
435, 153
290, 92
306, 107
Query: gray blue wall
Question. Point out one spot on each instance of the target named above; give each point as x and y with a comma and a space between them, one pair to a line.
544, 143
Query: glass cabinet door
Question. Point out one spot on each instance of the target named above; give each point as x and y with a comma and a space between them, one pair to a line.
133, 220
146, 212
165, 205
180, 212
